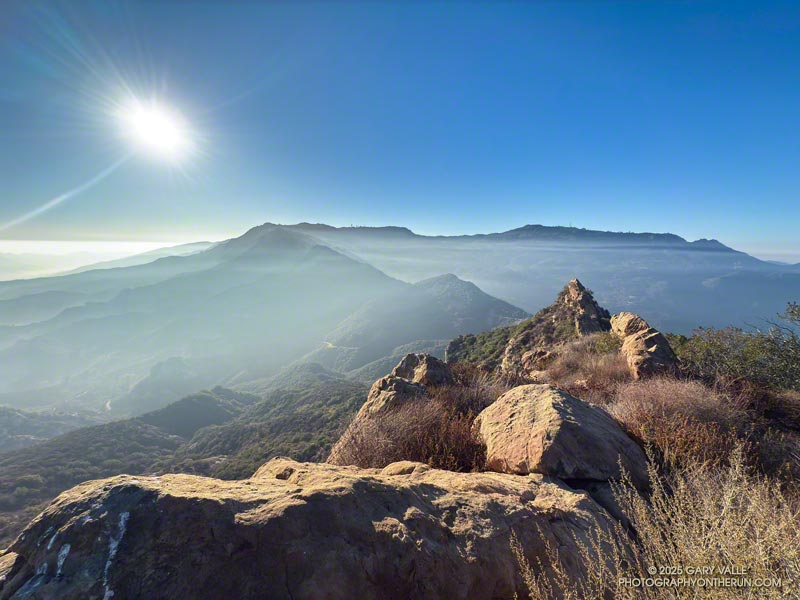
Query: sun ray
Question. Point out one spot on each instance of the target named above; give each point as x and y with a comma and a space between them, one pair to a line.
66, 195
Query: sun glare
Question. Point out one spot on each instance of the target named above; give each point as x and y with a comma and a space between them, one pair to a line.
156, 130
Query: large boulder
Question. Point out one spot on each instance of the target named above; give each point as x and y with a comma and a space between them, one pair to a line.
647, 351
423, 368
541, 429
298, 531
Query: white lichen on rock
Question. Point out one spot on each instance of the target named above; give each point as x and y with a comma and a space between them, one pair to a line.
62, 556
113, 546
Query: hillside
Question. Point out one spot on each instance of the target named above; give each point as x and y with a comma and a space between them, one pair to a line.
37, 307
220, 431
146, 257
301, 415
34, 475
432, 310
142, 336
136, 338
19, 428
258, 301
203, 409
38, 473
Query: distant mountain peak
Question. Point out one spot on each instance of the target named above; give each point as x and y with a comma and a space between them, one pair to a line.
446, 278
357, 229
267, 237
711, 244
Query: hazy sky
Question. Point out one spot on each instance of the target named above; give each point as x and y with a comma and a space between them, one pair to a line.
445, 117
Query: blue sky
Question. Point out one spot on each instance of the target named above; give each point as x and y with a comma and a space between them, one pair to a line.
444, 117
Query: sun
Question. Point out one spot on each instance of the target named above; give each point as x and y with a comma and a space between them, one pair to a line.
156, 129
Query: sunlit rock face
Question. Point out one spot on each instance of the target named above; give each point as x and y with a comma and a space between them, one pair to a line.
298, 531
542, 429
646, 349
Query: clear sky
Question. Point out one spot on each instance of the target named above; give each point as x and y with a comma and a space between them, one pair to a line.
451, 117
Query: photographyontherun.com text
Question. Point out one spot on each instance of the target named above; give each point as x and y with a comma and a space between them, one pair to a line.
699, 576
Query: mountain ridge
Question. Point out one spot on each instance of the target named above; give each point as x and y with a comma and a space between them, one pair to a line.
528, 231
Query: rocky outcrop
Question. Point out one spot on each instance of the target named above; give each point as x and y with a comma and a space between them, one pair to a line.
647, 351
423, 368
575, 313
541, 429
529, 346
409, 380
299, 531
7, 562
389, 392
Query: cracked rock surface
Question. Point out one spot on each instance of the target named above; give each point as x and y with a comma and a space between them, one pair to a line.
297, 531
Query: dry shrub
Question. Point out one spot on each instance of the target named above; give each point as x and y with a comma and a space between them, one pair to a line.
778, 454
783, 407
424, 430
475, 388
435, 429
589, 368
684, 421
697, 517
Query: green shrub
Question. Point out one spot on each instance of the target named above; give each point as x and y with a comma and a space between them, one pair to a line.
768, 358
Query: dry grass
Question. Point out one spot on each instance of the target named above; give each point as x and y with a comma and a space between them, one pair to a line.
684, 421
435, 429
687, 422
783, 407
474, 388
590, 368
424, 430
697, 517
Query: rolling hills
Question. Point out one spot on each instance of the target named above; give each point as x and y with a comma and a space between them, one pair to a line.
145, 335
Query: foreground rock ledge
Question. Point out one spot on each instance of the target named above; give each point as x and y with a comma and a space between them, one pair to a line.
297, 531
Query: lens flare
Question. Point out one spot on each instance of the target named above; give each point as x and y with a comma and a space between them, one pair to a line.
156, 130
65, 196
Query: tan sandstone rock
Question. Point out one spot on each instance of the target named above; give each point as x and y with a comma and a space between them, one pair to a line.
299, 531
541, 429
7, 562
423, 368
647, 351
389, 392
533, 346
